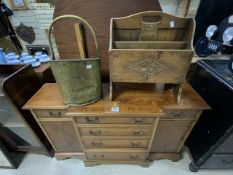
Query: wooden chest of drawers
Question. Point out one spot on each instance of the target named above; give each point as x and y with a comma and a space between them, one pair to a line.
139, 126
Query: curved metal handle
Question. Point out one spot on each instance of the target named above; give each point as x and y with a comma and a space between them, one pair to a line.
176, 114
95, 133
92, 120
138, 121
97, 143
53, 114
137, 133
100, 156
227, 162
134, 157
135, 144
75, 17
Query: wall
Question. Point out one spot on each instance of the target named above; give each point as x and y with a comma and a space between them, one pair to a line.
182, 8
169, 6
36, 13
32, 18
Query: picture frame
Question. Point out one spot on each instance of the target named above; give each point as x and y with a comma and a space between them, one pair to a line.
18, 4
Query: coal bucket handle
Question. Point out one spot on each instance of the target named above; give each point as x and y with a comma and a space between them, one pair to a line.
75, 17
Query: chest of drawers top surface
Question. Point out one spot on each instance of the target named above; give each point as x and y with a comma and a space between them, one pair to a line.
131, 99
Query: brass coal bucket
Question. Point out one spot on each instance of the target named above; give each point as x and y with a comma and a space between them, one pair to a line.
79, 80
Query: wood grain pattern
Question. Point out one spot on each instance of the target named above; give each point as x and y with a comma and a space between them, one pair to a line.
114, 120
116, 137
148, 126
118, 131
130, 156
172, 156
150, 61
62, 134
144, 163
47, 97
116, 154
133, 101
80, 40
98, 14
148, 66
65, 155
181, 113
189, 131
169, 135
138, 100
110, 143
150, 44
50, 113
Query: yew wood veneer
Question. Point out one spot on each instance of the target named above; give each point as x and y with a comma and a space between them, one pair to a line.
148, 125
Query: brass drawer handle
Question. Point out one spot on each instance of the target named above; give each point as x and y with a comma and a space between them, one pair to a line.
97, 143
134, 157
227, 162
138, 121
137, 133
95, 133
135, 144
55, 114
96, 157
176, 114
92, 120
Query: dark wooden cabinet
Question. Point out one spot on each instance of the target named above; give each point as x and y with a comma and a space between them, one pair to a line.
9, 158
210, 144
18, 127
226, 146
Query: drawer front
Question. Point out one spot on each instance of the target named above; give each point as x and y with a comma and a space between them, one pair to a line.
95, 131
120, 156
226, 146
180, 113
50, 113
219, 161
93, 143
115, 120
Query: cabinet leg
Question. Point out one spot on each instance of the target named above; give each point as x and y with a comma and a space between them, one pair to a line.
146, 164
90, 164
193, 168
176, 158
171, 156
62, 157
